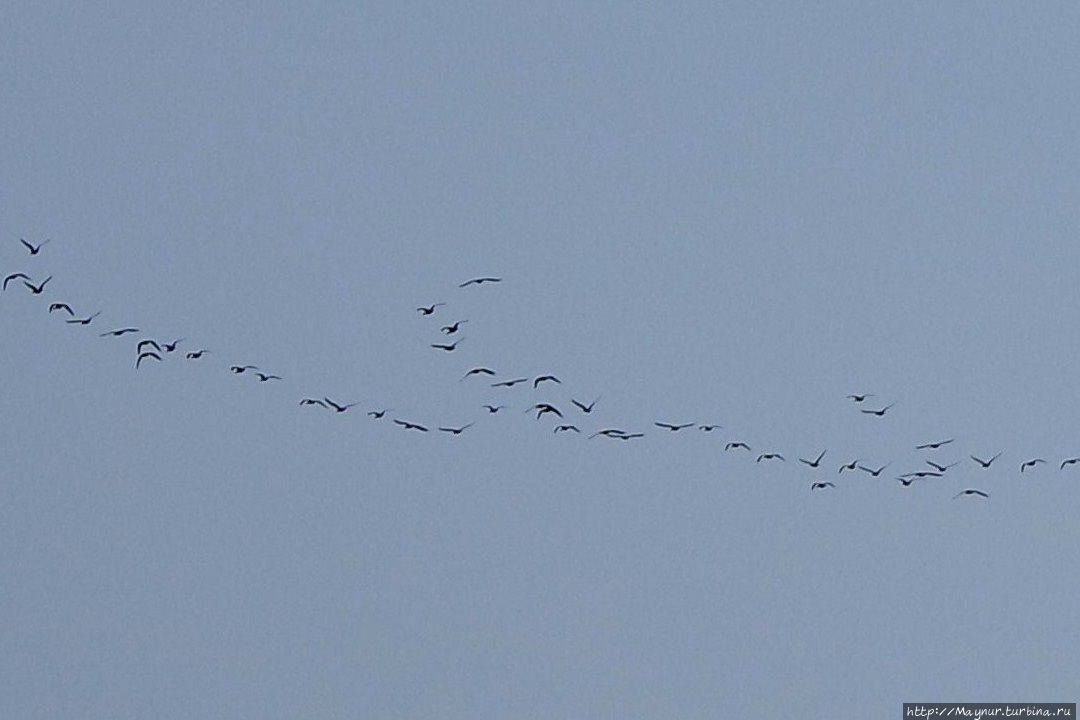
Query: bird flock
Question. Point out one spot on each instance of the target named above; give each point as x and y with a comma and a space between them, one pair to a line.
580, 422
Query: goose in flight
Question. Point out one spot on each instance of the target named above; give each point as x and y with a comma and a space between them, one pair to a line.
771, 456
971, 491
1070, 461
906, 482
583, 407
312, 401
923, 474
37, 289
34, 249
451, 329
873, 473
336, 407
509, 383
850, 466
196, 354
480, 281
15, 276
933, 445
146, 355
263, 377
879, 413
566, 428
478, 371
709, 428
628, 436
447, 348
494, 408
860, 398
429, 309
673, 427
542, 408
986, 463
1031, 464
171, 347
144, 343
410, 425
118, 333
83, 321
941, 468
815, 463
239, 369
377, 414
822, 485
546, 378
736, 446
456, 430
61, 306
608, 432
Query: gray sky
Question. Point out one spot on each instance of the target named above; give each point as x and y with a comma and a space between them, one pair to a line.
733, 215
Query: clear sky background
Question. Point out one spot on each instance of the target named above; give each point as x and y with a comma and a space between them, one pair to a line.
735, 215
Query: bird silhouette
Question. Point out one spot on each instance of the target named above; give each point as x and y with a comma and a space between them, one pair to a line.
608, 432
923, 474
770, 456
478, 371
447, 348
377, 414
494, 408
196, 354
709, 428
480, 281
456, 430
822, 485
37, 289
171, 347
83, 321
146, 355
941, 468
240, 369
672, 427
410, 425
509, 383
874, 473
1031, 464
583, 407
850, 466
312, 401
971, 491
61, 306
933, 445
15, 276
546, 378
542, 408
34, 249
629, 436
263, 377
815, 463
860, 398
429, 309
1070, 461
118, 333
566, 428
906, 482
736, 446
336, 407
451, 329
144, 343
879, 413
985, 463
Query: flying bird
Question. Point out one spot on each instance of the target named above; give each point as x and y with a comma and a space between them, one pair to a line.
494, 408
672, 427
1031, 464
509, 383
933, 445
542, 408
850, 466
737, 445
144, 343
478, 371
971, 491
37, 289
144, 356
447, 348
546, 378
566, 428
874, 473
822, 485
451, 329
770, 456
429, 309
312, 401
196, 354
263, 377
238, 369
906, 482
941, 468
628, 436
814, 464
583, 407
609, 432
923, 474
377, 414
33, 249
15, 276
83, 321
61, 306
171, 347
709, 428
1070, 461
410, 425
335, 406
879, 413
985, 463
480, 281
118, 333
456, 431
860, 398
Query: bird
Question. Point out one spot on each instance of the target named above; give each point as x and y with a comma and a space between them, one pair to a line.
447, 348
874, 473
971, 491
985, 463
608, 432
566, 428
15, 276
429, 309
771, 456
509, 383
542, 408
860, 398
196, 354
118, 333
546, 378
494, 408
171, 347
33, 249
906, 482
941, 468
312, 401
410, 425
1070, 461
62, 306
145, 355
335, 406
37, 289
144, 343
923, 474
480, 281
933, 445
672, 427
238, 369
850, 466
822, 485
628, 436
83, 321
879, 413
737, 445
1031, 464
456, 431
451, 329
377, 414
478, 371
583, 407
263, 377
709, 428
814, 464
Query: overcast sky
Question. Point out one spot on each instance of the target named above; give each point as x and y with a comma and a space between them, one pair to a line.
735, 216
